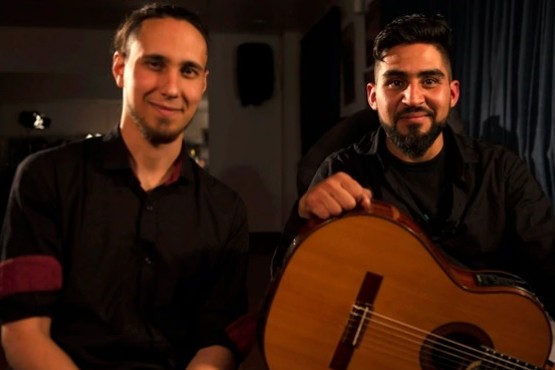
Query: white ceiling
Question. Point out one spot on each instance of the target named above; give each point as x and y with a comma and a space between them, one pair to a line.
252, 16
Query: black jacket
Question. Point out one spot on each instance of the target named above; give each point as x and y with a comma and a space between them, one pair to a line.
499, 216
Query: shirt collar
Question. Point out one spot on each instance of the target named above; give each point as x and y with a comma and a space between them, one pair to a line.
182, 167
460, 147
370, 142
114, 155
462, 152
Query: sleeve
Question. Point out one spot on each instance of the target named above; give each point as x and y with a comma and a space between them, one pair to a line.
533, 222
221, 319
30, 271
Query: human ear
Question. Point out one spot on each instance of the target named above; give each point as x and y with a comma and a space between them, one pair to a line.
455, 92
118, 64
371, 95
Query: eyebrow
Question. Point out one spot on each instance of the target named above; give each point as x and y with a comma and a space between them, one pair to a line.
161, 58
193, 65
427, 73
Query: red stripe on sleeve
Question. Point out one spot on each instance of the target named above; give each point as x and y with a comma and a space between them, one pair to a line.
29, 274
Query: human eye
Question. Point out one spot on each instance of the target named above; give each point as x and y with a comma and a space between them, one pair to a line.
190, 71
430, 81
154, 64
395, 83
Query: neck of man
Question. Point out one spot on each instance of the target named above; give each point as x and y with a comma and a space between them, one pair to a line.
430, 154
151, 164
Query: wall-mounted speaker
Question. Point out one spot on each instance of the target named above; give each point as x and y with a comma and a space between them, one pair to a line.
255, 72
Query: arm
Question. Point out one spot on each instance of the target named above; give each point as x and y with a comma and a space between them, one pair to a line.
532, 219
332, 196
27, 345
225, 302
213, 358
30, 272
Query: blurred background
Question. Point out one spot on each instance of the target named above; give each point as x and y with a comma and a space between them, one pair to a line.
282, 74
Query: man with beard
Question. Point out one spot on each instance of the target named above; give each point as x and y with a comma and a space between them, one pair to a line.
478, 202
120, 252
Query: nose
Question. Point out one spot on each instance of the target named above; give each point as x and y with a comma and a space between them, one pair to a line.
413, 95
169, 84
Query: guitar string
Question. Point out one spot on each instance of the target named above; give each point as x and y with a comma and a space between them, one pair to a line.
481, 354
476, 353
388, 337
439, 362
415, 329
445, 357
410, 347
407, 350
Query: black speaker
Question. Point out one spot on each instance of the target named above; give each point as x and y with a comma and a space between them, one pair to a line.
255, 72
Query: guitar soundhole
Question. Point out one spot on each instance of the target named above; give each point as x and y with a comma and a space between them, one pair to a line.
454, 346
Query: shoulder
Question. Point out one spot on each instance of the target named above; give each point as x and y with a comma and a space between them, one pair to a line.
47, 163
356, 160
500, 165
61, 154
356, 152
477, 150
215, 192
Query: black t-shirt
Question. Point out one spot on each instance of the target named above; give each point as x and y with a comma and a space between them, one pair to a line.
424, 187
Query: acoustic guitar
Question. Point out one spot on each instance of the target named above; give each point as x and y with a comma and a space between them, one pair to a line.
370, 291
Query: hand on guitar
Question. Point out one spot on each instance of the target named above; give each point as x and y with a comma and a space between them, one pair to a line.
332, 196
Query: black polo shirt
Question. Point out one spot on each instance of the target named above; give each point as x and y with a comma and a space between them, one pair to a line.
131, 279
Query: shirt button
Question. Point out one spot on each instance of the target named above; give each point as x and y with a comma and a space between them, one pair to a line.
148, 261
149, 207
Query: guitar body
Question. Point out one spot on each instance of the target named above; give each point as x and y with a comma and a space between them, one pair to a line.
369, 291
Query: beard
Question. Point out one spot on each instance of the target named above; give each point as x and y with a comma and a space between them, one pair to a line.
159, 133
414, 144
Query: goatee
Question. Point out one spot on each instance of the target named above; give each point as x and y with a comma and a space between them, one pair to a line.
156, 135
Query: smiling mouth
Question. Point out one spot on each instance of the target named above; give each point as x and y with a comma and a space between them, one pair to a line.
165, 109
413, 117
414, 114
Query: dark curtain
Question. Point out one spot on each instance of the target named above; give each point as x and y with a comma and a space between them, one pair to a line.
504, 57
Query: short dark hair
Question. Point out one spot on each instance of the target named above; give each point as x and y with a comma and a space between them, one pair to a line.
132, 22
412, 29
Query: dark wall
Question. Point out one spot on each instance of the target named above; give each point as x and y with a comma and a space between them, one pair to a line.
320, 78
12, 152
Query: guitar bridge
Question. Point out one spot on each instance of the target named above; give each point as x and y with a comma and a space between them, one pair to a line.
357, 322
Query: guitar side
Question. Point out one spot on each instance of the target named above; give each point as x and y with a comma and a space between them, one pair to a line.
416, 297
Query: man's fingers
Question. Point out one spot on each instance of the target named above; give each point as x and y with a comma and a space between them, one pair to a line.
333, 196
360, 196
365, 199
319, 203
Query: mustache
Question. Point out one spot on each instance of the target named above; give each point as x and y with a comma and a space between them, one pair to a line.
410, 110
